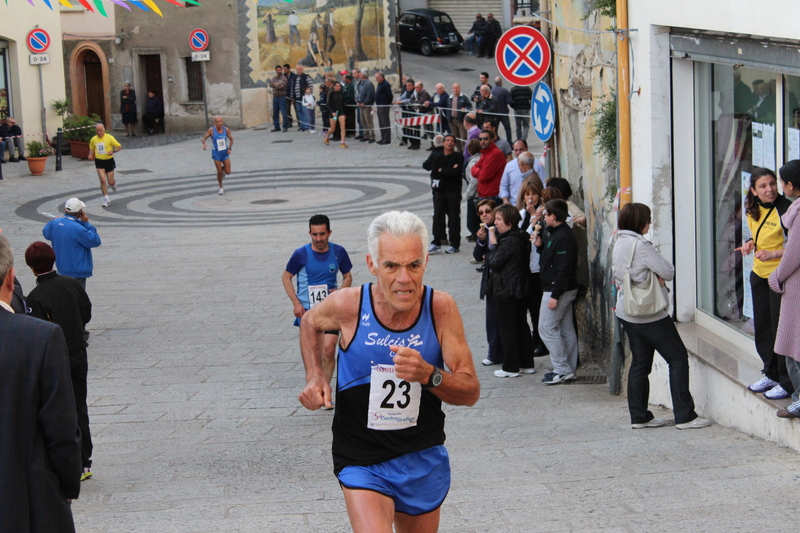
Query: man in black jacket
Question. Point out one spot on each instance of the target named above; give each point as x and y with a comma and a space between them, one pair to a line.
11, 134
446, 170
521, 104
493, 33
40, 466
62, 300
558, 260
383, 101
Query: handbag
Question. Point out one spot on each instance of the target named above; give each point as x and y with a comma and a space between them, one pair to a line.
644, 299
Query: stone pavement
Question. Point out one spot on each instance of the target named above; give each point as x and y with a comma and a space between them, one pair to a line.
195, 367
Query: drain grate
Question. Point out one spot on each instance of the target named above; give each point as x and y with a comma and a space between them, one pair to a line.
135, 171
465, 70
588, 380
286, 141
269, 202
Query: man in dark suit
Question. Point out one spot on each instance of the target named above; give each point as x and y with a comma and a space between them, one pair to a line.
61, 300
40, 443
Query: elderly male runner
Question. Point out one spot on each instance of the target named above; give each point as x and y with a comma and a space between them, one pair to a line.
316, 266
398, 336
102, 148
221, 147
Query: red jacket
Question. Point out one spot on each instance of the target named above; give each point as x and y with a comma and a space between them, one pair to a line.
489, 171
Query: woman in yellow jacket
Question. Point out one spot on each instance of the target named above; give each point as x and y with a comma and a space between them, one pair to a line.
765, 206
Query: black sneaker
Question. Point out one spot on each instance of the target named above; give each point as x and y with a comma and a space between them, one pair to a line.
22, 158
551, 378
13, 159
275, 130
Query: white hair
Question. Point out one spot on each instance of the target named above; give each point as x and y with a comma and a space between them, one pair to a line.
438, 140
365, 71
398, 224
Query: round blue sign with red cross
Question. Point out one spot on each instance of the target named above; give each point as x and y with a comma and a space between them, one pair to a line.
198, 40
522, 55
38, 41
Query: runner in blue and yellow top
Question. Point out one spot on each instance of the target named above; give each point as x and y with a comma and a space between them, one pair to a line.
102, 148
221, 147
316, 266
398, 336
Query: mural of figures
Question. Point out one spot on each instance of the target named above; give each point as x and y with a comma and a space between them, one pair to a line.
324, 35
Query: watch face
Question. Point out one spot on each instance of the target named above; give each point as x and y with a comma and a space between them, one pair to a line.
437, 379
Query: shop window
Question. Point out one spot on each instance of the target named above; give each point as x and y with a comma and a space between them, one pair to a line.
791, 117
194, 78
735, 130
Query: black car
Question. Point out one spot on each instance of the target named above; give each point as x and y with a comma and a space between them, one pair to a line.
427, 30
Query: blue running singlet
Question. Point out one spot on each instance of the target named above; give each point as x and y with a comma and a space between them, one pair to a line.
219, 144
378, 416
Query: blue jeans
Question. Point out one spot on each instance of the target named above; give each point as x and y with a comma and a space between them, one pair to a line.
311, 118
302, 120
278, 107
472, 41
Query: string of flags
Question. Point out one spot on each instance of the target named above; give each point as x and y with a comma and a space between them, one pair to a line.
99, 7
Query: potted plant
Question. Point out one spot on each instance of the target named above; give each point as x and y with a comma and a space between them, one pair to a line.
37, 156
78, 131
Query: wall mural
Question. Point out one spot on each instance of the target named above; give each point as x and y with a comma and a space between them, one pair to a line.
325, 36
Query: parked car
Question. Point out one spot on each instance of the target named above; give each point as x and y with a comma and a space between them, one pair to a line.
427, 30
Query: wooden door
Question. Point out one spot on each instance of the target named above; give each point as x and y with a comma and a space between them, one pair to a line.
95, 98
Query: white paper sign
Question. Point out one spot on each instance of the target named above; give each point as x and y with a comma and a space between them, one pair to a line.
794, 144
747, 260
758, 144
769, 146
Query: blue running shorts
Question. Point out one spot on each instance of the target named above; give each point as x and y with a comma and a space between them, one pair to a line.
418, 482
220, 156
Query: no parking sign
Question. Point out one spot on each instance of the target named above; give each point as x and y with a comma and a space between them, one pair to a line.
38, 41
522, 55
198, 40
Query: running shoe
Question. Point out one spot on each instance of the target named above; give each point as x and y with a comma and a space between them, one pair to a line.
326, 140
697, 423
489, 362
776, 393
221, 191
343, 145
551, 378
530, 370
434, 249
86, 474
107, 203
654, 423
452, 250
762, 385
504, 374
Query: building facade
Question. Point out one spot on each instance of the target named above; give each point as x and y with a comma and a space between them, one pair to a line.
26, 90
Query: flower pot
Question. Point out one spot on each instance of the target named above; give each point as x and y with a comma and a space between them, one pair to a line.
36, 165
79, 149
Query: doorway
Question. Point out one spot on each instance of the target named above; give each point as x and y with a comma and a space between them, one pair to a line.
151, 66
95, 97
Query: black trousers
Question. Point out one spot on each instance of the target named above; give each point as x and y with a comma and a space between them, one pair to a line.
766, 312
644, 339
496, 352
534, 303
384, 123
447, 204
515, 335
473, 220
79, 371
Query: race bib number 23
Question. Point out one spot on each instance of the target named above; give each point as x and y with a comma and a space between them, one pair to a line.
393, 402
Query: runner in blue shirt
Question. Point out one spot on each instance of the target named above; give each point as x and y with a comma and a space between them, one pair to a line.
221, 147
316, 266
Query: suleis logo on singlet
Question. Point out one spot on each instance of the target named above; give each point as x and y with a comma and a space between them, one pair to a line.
393, 402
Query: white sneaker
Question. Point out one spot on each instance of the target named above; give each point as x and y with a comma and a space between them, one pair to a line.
489, 362
654, 423
762, 385
221, 191
107, 203
434, 249
527, 370
776, 393
114, 187
504, 374
697, 423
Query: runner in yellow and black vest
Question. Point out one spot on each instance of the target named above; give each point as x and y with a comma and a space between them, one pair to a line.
102, 148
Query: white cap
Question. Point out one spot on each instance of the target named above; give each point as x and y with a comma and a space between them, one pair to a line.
73, 205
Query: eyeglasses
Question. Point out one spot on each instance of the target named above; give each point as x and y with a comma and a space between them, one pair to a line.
483, 138
485, 212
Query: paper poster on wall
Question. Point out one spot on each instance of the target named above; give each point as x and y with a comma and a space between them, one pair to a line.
758, 144
768, 136
794, 144
747, 260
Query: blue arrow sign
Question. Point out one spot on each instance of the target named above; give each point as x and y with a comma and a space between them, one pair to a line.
543, 112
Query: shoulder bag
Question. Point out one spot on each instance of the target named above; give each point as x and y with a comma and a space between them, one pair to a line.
644, 299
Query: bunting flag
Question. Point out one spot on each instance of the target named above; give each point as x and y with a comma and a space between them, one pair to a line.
99, 7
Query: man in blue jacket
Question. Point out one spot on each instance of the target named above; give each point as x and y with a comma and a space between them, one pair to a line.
73, 239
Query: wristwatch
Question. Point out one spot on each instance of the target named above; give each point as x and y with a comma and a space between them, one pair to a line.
435, 379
